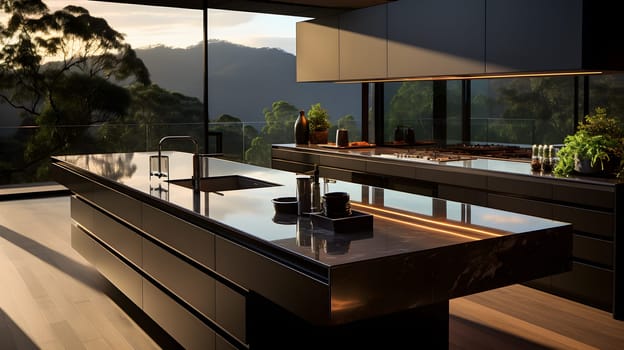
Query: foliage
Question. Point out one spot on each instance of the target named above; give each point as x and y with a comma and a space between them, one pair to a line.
411, 105
536, 110
237, 136
61, 68
598, 138
318, 117
278, 129
149, 116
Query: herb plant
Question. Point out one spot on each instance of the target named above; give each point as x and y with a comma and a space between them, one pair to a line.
318, 117
599, 139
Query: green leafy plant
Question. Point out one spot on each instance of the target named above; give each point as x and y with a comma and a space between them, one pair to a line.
599, 139
318, 117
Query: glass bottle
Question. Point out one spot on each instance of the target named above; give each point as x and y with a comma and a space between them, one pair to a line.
302, 129
547, 164
536, 165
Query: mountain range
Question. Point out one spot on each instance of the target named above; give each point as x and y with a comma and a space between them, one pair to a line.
242, 81
245, 80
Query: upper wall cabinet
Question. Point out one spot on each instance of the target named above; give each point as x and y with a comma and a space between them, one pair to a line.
533, 35
318, 50
436, 37
363, 44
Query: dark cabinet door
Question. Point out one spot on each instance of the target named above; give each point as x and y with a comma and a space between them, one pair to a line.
533, 35
435, 37
363, 44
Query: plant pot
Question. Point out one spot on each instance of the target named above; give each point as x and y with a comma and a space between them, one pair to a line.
317, 136
608, 167
583, 166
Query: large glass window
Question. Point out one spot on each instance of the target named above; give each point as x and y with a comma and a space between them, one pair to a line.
408, 106
607, 91
522, 111
253, 96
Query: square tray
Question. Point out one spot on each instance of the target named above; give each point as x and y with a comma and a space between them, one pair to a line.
356, 222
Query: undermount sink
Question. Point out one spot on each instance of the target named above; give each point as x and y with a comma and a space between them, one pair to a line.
224, 183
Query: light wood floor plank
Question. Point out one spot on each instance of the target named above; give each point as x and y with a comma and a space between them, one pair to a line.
56, 300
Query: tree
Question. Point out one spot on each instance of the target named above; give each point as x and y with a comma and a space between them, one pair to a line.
279, 128
537, 110
237, 137
411, 106
61, 68
153, 112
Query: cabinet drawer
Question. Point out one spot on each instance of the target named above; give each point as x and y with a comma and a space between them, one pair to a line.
461, 194
585, 220
390, 169
81, 212
222, 344
184, 280
593, 250
116, 271
295, 156
268, 278
291, 166
519, 187
120, 205
348, 163
183, 326
188, 239
588, 195
453, 178
231, 311
75, 182
117, 236
520, 205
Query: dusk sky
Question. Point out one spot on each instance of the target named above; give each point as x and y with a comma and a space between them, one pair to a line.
150, 25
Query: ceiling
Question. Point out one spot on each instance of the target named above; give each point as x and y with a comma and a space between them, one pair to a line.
301, 8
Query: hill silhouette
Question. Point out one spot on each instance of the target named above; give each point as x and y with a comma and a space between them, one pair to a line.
245, 80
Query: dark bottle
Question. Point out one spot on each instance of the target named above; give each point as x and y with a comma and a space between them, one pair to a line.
536, 164
410, 137
399, 135
302, 129
547, 163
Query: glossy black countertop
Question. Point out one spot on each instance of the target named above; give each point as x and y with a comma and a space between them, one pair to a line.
403, 222
478, 164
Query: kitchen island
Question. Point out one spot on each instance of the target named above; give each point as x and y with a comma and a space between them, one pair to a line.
593, 205
221, 269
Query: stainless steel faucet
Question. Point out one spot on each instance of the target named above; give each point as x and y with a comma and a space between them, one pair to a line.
196, 172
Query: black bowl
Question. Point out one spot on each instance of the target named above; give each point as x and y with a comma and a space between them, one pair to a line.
285, 205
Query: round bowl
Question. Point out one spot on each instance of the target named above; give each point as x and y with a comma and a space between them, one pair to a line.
285, 205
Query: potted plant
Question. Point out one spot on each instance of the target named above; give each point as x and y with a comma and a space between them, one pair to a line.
318, 119
597, 147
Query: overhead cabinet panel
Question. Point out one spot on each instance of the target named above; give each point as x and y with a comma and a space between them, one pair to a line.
533, 35
363, 44
436, 37
317, 50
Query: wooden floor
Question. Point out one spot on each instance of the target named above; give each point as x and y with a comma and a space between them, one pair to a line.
51, 298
